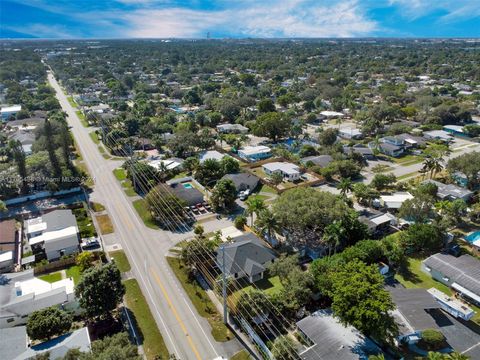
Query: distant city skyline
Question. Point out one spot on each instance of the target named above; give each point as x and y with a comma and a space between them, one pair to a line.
60, 19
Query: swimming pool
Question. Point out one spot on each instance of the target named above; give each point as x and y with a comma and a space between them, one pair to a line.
187, 186
473, 237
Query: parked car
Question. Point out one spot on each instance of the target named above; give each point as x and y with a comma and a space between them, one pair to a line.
244, 194
90, 243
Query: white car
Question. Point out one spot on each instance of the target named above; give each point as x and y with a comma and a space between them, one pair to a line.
244, 194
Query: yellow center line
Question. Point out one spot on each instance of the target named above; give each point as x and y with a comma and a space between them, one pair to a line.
124, 216
175, 313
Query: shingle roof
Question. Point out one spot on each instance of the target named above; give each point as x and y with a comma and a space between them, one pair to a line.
334, 341
464, 270
190, 195
243, 180
13, 342
59, 219
7, 235
450, 190
246, 254
413, 305
320, 160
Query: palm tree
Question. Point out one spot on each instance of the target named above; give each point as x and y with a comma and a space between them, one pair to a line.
427, 166
457, 356
333, 236
267, 223
345, 186
442, 206
376, 357
254, 206
435, 356
436, 166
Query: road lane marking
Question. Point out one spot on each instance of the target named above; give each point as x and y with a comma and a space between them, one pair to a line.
175, 313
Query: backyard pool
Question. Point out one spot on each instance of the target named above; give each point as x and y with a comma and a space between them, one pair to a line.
473, 237
187, 186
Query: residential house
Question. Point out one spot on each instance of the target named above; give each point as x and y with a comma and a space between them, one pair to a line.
243, 181
332, 340
350, 133
245, 257
451, 305
462, 274
55, 234
394, 201
389, 145
26, 138
439, 135
360, 149
9, 245
187, 192
317, 160
9, 112
455, 130
232, 129
15, 345
377, 222
289, 171
414, 312
22, 293
450, 191
169, 164
211, 155
411, 141
255, 153
327, 114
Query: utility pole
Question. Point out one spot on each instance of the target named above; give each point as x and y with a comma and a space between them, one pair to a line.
224, 287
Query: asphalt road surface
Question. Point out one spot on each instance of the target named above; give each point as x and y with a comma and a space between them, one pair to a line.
186, 334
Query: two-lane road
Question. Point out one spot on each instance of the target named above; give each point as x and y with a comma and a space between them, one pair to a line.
186, 334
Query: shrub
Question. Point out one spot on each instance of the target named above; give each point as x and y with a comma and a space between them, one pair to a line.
433, 339
240, 222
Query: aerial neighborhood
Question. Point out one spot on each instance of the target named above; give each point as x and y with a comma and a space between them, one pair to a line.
240, 199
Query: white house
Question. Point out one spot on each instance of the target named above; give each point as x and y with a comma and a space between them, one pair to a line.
254, 153
211, 154
395, 200
232, 129
350, 133
56, 234
22, 293
289, 171
8, 111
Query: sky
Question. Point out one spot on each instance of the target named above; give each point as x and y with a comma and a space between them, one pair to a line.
238, 18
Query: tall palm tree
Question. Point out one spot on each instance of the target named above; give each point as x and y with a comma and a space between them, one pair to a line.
254, 206
345, 186
436, 166
376, 357
266, 223
457, 356
333, 236
435, 356
427, 166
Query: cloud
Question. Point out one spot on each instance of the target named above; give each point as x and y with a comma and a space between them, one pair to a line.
43, 31
454, 10
289, 18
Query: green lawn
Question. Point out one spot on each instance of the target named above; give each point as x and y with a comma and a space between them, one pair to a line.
52, 277
141, 206
201, 301
84, 222
97, 207
71, 101
242, 355
82, 118
407, 160
181, 175
74, 272
94, 137
153, 343
120, 174
269, 286
121, 260
406, 176
267, 189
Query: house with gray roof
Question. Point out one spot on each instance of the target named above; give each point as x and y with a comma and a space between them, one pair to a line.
245, 257
232, 129
26, 139
360, 149
22, 293
462, 274
318, 160
289, 171
243, 181
450, 191
333, 341
55, 234
15, 344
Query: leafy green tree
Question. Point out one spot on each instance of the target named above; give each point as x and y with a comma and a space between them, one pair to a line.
283, 266
230, 165
359, 299
433, 339
240, 221
165, 207
418, 209
20, 160
284, 348
422, 238
365, 194
3, 207
272, 125
50, 145
345, 185
84, 260
276, 178
210, 171
328, 137
47, 323
468, 165
266, 105
383, 181
200, 249
91, 293
223, 195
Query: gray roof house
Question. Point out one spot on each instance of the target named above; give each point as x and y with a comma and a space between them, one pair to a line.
450, 191
22, 293
55, 233
243, 181
461, 273
332, 340
361, 149
14, 344
232, 129
190, 195
319, 160
246, 256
